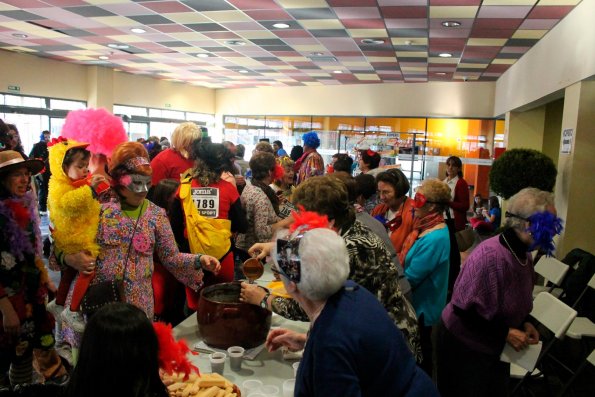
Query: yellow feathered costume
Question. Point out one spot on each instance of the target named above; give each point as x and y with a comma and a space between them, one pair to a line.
74, 213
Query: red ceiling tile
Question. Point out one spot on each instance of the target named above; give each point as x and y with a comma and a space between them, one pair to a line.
61, 3
404, 12
25, 3
455, 2
497, 23
269, 15
480, 52
349, 3
497, 68
363, 23
549, 12
163, 7
448, 42
255, 4
347, 53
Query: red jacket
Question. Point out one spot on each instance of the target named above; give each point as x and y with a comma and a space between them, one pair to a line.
460, 204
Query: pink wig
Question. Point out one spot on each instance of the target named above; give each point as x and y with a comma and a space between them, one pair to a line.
101, 129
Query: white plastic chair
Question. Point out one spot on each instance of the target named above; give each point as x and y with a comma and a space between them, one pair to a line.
556, 316
551, 270
582, 326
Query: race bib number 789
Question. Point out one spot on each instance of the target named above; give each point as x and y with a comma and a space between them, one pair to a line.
206, 200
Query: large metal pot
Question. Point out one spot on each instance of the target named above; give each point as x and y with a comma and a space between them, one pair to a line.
224, 321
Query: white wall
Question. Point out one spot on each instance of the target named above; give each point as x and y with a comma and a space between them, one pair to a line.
566, 55
473, 99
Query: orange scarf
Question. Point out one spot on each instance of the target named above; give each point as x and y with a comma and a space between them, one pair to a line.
420, 225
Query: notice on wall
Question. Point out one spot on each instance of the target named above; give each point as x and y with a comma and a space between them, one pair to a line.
566, 145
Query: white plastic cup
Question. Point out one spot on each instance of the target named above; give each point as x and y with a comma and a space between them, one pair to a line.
236, 353
217, 361
269, 390
288, 388
251, 386
295, 366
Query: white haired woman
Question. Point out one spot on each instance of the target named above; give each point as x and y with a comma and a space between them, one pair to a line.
353, 347
492, 300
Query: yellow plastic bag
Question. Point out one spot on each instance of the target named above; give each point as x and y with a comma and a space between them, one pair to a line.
205, 235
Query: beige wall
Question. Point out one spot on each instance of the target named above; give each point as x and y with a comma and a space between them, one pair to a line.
97, 85
563, 57
575, 184
412, 99
552, 129
525, 129
42, 77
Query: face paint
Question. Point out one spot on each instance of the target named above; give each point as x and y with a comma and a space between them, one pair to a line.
136, 183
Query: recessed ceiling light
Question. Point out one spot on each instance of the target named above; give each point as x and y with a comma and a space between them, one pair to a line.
373, 41
337, 71
235, 42
202, 55
138, 30
20, 35
118, 46
445, 55
103, 57
243, 71
316, 54
451, 24
440, 74
280, 25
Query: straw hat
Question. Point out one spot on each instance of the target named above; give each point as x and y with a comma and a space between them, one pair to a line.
9, 160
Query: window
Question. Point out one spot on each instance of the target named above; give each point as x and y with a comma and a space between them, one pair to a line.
130, 110
67, 105
24, 101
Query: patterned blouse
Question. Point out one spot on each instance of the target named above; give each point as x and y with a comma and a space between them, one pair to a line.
261, 216
312, 165
153, 235
372, 268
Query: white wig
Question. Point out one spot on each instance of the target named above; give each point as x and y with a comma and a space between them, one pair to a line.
324, 263
525, 203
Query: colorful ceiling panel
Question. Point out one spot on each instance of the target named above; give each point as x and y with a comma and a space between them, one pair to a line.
253, 43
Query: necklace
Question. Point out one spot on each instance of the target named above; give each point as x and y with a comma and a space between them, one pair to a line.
511, 250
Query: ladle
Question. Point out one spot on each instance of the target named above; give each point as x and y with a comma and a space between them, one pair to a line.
252, 269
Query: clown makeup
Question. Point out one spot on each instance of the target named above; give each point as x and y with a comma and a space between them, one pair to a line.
135, 183
419, 200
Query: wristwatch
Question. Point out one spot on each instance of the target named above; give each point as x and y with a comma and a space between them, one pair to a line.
263, 302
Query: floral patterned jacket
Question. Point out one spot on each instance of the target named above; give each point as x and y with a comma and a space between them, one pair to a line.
371, 267
153, 235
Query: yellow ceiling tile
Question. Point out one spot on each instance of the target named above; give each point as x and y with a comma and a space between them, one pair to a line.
309, 47
257, 34
227, 16
414, 69
49, 34
285, 67
529, 34
355, 63
312, 83
559, 2
414, 54
7, 7
366, 77
473, 65
86, 52
487, 42
453, 11
318, 74
443, 60
92, 46
321, 24
150, 56
303, 3
18, 49
188, 36
368, 33
293, 59
509, 2
330, 67
245, 61
187, 17
503, 61
115, 21
186, 50
380, 59
127, 38
410, 40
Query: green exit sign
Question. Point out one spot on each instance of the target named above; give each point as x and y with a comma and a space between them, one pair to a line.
14, 88
168, 105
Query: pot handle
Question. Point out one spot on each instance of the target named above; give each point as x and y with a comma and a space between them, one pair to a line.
231, 312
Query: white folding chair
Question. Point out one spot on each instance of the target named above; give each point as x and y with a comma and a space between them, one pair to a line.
551, 270
556, 316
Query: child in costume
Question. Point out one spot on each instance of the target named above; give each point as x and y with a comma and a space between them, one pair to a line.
74, 213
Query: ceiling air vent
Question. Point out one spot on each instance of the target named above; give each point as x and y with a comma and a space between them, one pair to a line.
322, 59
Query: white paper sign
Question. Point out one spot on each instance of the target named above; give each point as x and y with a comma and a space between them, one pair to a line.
526, 358
566, 145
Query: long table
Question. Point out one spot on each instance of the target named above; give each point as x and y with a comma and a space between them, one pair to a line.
270, 368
